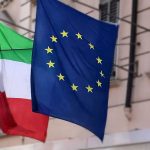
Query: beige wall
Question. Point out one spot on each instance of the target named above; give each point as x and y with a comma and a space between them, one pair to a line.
117, 121
20, 12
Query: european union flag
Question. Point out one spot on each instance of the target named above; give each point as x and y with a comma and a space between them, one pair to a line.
71, 65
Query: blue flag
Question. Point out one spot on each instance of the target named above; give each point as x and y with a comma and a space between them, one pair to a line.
71, 65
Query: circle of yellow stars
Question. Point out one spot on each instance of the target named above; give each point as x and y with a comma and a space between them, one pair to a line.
60, 76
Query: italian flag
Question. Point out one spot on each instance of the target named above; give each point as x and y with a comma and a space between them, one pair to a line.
16, 116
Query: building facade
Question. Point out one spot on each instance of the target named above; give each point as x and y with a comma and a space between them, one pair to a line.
126, 128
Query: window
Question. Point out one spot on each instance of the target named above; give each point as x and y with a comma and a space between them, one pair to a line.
109, 11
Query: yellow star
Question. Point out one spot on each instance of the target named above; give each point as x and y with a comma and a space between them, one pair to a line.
49, 50
61, 77
90, 89
64, 34
50, 64
99, 60
91, 46
74, 87
54, 38
79, 36
102, 74
99, 84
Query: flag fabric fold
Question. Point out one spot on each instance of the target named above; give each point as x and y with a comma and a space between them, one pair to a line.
71, 65
16, 116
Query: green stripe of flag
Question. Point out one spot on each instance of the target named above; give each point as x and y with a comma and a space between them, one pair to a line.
10, 39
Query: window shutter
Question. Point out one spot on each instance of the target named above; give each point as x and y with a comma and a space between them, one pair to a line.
104, 12
114, 11
109, 10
